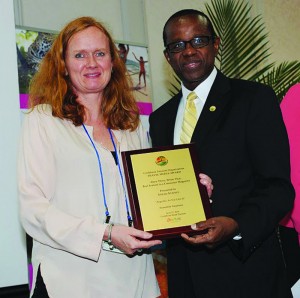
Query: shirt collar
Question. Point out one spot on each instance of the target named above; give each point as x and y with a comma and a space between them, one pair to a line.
202, 89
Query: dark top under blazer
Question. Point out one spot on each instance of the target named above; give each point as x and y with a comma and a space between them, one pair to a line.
243, 147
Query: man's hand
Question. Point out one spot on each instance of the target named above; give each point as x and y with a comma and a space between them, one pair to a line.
219, 229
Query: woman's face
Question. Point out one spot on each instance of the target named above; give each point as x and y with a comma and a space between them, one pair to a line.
88, 61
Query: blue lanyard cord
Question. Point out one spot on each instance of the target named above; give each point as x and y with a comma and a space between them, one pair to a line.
101, 175
122, 179
102, 179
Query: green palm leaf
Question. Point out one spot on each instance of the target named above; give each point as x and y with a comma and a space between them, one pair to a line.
281, 78
244, 51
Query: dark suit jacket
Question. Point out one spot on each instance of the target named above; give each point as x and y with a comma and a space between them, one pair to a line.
243, 147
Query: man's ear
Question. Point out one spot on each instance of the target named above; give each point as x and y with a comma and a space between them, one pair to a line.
216, 45
167, 55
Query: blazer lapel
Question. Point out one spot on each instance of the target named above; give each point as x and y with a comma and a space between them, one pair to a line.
214, 106
172, 113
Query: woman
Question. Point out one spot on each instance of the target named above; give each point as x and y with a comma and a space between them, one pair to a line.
73, 201
142, 68
290, 225
123, 52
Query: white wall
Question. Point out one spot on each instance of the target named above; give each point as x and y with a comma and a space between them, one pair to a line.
124, 18
54, 14
13, 258
283, 22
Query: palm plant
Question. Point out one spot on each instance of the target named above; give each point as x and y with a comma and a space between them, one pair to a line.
244, 52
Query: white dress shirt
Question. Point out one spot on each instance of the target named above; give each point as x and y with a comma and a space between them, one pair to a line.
202, 92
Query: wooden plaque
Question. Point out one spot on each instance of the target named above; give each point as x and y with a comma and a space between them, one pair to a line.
165, 194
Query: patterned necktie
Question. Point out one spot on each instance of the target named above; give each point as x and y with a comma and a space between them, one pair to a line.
189, 119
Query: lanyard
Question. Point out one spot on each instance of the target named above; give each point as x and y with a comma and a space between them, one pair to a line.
107, 214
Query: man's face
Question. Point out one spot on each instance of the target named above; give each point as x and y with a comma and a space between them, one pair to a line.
191, 65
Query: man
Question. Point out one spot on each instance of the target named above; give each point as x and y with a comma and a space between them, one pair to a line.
242, 145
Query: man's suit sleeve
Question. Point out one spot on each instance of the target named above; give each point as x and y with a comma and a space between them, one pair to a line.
272, 195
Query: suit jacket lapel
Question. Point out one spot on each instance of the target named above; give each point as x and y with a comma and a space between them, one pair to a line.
214, 106
172, 113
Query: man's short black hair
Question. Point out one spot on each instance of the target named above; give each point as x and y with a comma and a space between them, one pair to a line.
185, 12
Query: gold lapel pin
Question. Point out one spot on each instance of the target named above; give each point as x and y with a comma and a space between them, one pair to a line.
212, 108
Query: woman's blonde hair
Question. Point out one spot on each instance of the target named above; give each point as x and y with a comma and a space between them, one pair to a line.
52, 86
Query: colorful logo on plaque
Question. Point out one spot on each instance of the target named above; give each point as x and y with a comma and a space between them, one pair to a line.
161, 161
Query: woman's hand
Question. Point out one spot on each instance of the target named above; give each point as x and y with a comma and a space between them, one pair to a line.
130, 240
205, 180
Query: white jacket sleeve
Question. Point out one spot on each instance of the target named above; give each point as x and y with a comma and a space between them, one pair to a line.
41, 219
